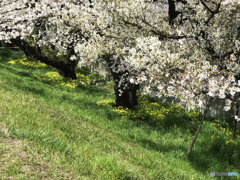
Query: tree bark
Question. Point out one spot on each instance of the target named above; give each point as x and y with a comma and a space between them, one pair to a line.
198, 130
172, 13
68, 70
128, 98
65, 69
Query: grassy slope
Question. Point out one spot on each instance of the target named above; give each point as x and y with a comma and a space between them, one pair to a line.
64, 134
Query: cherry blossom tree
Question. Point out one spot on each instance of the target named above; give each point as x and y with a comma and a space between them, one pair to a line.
119, 68
194, 53
19, 25
191, 52
202, 59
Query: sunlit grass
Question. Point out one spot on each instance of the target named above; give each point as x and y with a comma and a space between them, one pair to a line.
74, 126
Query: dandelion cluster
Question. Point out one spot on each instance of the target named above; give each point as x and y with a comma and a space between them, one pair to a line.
82, 80
27, 62
153, 112
224, 132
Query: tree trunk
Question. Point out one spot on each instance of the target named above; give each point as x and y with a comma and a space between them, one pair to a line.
172, 13
65, 69
68, 70
128, 98
198, 130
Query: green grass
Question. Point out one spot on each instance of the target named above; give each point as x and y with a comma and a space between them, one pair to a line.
70, 131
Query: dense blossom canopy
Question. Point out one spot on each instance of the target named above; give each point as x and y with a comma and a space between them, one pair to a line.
192, 50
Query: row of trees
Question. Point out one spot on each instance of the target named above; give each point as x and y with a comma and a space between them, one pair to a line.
192, 50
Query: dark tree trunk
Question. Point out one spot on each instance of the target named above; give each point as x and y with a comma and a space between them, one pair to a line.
65, 69
128, 98
172, 13
68, 70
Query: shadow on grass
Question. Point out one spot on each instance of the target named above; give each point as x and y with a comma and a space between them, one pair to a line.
35, 86
24, 74
7, 55
203, 159
204, 155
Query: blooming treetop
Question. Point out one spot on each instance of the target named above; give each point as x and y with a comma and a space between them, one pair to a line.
97, 38
195, 53
20, 17
191, 58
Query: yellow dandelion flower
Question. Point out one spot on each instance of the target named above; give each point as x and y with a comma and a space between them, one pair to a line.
12, 62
